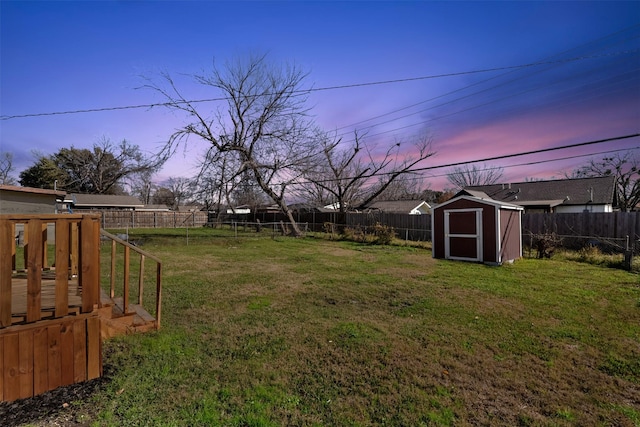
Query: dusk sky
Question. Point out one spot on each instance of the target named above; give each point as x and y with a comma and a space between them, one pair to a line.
564, 73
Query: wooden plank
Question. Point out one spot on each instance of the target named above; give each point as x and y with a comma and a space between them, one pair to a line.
1, 368
66, 353
158, 294
40, 361
79, 350
25, 343
62, 268
53, 355
6, 268
89, 264
112, 285
34, 270
94, 348
141, 280
11, 367
125, 284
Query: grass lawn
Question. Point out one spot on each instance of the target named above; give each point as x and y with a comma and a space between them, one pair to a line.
268, 332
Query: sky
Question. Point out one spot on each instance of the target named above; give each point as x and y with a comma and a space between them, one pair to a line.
481, 79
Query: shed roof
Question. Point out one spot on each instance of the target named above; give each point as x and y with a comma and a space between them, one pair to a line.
488, 201
397, 206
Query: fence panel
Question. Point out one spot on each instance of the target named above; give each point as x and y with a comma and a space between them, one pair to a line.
580, 226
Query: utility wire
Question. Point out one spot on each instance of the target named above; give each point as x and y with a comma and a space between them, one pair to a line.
306, 91
486, 159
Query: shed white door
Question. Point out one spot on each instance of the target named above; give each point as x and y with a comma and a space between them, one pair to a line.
463, 234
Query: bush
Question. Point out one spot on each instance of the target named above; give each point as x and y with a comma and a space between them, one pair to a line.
354, 234
590, 253
546, 244
383, 234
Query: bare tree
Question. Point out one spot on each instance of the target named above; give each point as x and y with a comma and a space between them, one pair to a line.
6, 168
182, 189
141, 185
218, 179
163, 196
471, 175
626, 168
404, 188
352, 176
264, 121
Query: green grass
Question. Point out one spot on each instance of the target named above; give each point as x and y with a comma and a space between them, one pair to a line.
261, 331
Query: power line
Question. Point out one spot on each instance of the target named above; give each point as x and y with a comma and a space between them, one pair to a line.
306, 91
527, 153
487, 159
537, 162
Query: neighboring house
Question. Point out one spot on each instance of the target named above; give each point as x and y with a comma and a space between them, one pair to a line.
559, 196
104, 201
411, 207
28, 200
239, 210
333, 207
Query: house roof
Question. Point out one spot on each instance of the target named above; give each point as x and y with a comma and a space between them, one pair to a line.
32, 190
580, 191
397, 206
105, 201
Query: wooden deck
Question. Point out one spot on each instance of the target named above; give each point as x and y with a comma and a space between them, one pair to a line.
19, 294
53, 312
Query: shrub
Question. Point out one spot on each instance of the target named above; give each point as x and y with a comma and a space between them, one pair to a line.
383, 234
546, 244
355, 234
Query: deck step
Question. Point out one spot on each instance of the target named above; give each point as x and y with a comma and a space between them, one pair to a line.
116, 322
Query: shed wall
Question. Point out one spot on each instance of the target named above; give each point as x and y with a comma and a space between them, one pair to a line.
510, 235
489, 234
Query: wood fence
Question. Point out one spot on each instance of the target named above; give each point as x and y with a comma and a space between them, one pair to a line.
612, 226
141, 219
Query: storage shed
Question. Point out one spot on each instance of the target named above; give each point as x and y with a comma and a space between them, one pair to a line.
477, 228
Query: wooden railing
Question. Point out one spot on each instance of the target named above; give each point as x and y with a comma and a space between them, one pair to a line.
126, 288
76, 263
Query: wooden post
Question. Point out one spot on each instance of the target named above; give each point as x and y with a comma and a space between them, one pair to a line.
112, 286
62, 268
125, 286
89, 264
158, 293
34, 270
141, 280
